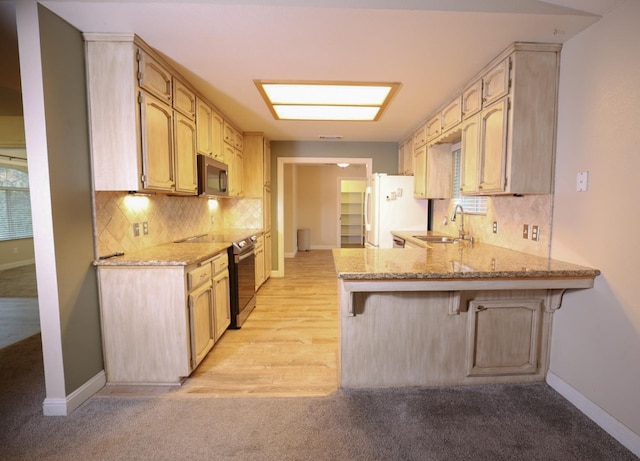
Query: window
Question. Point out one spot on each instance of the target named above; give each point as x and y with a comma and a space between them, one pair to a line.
470, 204
15, 206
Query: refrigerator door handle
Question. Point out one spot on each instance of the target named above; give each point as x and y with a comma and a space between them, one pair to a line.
367, 201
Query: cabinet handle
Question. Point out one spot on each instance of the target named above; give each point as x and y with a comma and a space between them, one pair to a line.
481, 308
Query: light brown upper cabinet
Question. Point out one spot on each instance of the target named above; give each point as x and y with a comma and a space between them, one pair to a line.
204, 123
143, 135
472, 99
184, 100
495, 83
154, 78
451, 115
508, 131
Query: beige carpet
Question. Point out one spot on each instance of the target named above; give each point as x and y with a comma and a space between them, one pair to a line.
19, 282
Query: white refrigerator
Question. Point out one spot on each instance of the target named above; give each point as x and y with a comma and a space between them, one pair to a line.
389, 205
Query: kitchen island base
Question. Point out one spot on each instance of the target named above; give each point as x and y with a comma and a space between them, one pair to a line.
436, 333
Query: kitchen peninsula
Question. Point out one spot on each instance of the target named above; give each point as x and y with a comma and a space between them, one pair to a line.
448, 313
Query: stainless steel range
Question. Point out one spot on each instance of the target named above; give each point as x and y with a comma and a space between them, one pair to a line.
242, 272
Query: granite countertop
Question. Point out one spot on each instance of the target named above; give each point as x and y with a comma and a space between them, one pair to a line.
168, 254
181, 252
451, 261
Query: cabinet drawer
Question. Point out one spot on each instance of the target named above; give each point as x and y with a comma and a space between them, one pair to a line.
220, 263
198, 276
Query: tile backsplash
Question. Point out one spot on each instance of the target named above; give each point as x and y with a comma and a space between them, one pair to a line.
169, 218
511, 213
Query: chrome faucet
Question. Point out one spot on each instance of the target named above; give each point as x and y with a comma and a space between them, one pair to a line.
462, 233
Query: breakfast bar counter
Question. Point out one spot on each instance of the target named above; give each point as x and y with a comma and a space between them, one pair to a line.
448, 314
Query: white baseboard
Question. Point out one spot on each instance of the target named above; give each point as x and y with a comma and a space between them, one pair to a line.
15, 264
615, 428
290, 255
63, 407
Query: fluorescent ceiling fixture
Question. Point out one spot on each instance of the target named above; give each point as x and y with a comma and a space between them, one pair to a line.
326, 100
326, 112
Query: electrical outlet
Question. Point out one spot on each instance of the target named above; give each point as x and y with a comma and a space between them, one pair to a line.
525, 231
535, 233
145, 228
495, 227
15, 250
136, 229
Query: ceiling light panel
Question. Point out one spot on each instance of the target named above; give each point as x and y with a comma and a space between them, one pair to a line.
352, 101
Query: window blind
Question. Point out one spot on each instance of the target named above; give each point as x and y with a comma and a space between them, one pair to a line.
470, 204
15, 205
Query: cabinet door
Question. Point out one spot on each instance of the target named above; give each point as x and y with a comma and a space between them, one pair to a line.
229, 134
469, 145
201, 322
184, 100
493, 147
433, 127
267, 163
472, 99
154, 78
222, 314
451, 115
495, 83
420, 136
238, 172
420, 171
156, 130
185, 154
267, 255
218, 137
266, 208
259, 254
503, 337
204, 128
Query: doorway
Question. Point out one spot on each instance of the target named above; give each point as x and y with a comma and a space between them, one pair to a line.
351, 212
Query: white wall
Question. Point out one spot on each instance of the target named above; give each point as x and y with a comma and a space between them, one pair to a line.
596, 333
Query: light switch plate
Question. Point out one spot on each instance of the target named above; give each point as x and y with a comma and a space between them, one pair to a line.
136, 229
525, 231
582, 181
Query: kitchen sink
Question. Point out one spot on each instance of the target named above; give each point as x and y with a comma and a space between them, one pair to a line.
435, 238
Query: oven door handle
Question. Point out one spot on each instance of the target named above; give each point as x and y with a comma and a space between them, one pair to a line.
244, 256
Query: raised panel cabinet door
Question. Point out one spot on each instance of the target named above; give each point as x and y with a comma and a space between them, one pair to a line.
229, 134
503, 337
267, 163
408, 168
204, 128
185, 154
201, 322
420, 171
472, 99
452, 114
238, 172
495, 83
493, 147
222, 313
420, 136
184, 100
434, 127
154, 78
469, 148
267, 255
156, 130
217, 139
266, 208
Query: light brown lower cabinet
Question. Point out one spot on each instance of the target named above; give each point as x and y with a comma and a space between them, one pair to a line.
159, 322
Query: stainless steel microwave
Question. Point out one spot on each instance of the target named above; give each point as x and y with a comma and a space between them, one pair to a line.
212, 177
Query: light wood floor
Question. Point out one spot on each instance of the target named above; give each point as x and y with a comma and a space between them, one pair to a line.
288, 346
